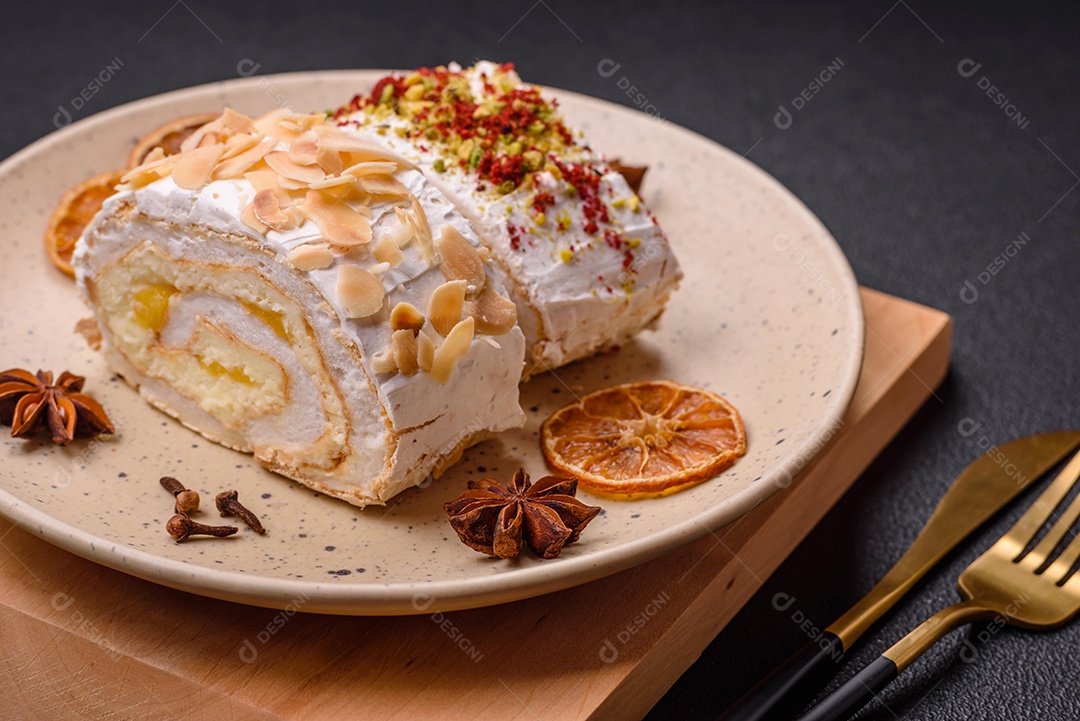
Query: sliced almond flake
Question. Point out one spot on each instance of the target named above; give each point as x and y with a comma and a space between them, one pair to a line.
338, 222
379, 268
458, 259
193, 140
404, 233
262, 179
330, 161
406, 315
332, 182
194, 168
310, 257
280, 162
268, 211
237, 165
303, 123
268, 180
445, 306
238, 144
210, 138
89, 329
289, 183
304, 151
360, 150
295, 216
404, 345
494, 314
383, 186
289, 124
147, 172
491, 342
156, 153
387, 251
248, 218
233, 122
418, 220
271, 125
425, 351
370, 168
360, 292
455, 347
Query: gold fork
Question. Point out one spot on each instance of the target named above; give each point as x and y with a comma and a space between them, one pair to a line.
1018, 581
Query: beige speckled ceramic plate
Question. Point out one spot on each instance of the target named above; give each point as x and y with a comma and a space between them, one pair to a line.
768, 316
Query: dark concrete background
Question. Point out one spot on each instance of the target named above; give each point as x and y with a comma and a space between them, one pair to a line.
921, 177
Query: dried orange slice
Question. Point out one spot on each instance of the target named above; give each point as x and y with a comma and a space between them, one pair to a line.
168, 137
647, 437
74, 211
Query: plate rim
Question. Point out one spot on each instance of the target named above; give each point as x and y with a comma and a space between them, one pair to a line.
401, 598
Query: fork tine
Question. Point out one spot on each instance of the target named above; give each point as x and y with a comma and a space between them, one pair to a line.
1052, 539
1064, 563
1024, 530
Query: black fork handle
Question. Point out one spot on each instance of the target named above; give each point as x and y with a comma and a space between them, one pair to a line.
785, 691
845, 701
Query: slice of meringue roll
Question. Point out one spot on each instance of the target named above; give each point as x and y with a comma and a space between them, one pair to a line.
291, 291
587, 262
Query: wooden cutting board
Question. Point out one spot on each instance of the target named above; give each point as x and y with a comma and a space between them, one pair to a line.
78, 640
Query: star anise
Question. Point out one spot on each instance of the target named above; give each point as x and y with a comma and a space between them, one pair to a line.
27, 402
494, 520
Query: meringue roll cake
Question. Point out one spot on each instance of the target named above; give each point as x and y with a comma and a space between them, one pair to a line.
288, 289
587, 263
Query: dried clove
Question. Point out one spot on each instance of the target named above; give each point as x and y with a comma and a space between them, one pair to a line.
187, 501
228, 504
181, 527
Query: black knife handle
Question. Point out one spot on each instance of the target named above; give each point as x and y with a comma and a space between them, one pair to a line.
778, 695
845, 701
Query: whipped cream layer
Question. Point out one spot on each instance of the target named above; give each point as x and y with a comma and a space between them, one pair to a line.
282, 341
587, 263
